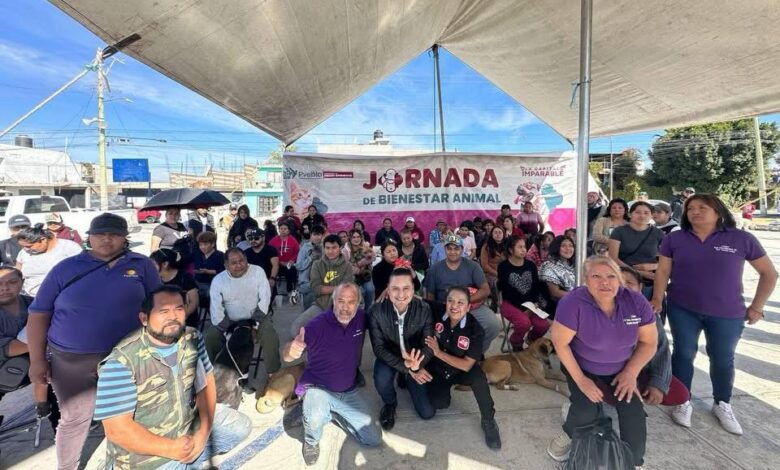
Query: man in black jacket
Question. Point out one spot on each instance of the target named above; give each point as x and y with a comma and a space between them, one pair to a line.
398, 328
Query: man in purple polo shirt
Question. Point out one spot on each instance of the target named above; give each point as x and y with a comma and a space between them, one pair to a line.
334, 341
85, 305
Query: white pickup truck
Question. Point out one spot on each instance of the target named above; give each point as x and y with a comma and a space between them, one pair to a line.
37, 207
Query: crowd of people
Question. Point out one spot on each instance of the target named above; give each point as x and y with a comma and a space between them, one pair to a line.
131, 341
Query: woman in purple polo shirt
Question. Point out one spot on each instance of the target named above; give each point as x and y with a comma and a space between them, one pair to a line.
604, 333
704, 261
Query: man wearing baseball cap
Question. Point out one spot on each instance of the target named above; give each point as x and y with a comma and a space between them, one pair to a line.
85, 305
455, 270
56, 225
662, 213
10, 248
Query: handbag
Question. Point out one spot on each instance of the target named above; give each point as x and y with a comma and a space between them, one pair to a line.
596, 446
13, 373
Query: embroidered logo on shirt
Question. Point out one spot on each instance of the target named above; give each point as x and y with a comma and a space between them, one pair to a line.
131, 273
463, 342
330, 276
633, 320
439, 328
357, 333
725, 248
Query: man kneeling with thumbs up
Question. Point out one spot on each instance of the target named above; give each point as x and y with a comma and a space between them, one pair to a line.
333, 341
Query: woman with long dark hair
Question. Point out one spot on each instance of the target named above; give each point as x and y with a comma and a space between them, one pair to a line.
171, 272
493, 253
636, 243
704, 261
540, 248
518, 282
359, 225
558, 271
360, 255
242, 223
615, 216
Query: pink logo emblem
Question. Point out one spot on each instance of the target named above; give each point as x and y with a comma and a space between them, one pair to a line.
439, 327
463, 342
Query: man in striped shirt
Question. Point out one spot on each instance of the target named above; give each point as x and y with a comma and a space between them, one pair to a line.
156, 394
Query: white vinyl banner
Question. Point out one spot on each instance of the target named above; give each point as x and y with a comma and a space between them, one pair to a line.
453, 187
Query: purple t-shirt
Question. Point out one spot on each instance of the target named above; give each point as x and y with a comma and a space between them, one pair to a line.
603, 345
707, 275
333, 352
98, 310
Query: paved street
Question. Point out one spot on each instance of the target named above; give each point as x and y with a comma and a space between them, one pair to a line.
528, 420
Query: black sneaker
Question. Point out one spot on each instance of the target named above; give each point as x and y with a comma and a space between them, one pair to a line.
311, 453
401, 381
492, 436
387, 417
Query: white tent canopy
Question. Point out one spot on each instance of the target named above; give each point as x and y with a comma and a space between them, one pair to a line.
287, 65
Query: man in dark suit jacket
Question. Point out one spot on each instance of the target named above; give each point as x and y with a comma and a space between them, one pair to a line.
398, 328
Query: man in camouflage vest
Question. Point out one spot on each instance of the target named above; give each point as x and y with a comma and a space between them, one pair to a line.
157, 397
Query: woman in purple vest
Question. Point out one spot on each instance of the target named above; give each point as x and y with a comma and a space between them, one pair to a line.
704, 261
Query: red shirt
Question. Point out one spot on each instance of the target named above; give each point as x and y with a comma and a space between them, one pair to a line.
287, 248
68, 233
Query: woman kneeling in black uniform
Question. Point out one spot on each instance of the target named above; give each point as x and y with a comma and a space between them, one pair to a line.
457, 347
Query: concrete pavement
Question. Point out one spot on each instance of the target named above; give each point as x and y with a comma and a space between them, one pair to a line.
528, 419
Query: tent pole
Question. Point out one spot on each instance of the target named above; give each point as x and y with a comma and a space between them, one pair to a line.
760, 178
583, 137
438, 89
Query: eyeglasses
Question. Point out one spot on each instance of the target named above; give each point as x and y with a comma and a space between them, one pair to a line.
255, 239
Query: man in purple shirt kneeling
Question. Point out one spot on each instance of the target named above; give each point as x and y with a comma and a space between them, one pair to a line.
334, 341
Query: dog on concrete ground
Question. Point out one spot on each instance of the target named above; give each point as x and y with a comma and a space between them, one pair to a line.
531, 366
280, 389
232, 364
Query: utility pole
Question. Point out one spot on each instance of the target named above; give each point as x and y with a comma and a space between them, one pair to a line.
101, 124
438, 90
611, 170
760, 169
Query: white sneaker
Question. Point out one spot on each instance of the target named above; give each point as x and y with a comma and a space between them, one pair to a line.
725, 415
565, 411
681, 414
559, 447
294, 297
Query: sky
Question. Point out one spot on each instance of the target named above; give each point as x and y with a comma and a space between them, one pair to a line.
150, 116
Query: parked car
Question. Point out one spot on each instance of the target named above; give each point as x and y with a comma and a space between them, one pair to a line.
37, 207
148, 216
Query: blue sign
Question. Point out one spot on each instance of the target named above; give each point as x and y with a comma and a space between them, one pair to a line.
131, 170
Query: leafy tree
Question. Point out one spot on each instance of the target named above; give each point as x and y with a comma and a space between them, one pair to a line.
624, 167
717, 158
595, 169
276, 155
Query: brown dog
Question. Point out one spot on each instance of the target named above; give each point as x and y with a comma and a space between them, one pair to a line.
280, 389
530, 366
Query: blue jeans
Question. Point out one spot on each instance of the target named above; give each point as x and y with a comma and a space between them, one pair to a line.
230, 428
722, 335
384, 381
367, 289
349, 411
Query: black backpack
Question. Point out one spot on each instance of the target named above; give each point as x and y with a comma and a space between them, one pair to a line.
596, 446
